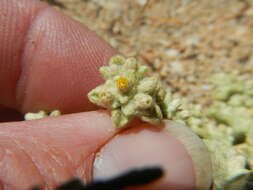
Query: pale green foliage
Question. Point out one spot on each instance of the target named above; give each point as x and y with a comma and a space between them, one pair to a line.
233, 88
226, 161
243, 181
235, 111
222, 124
41, 114
225, 122
129, 92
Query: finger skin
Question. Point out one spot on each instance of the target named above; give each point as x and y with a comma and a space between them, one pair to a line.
50, 151
15, 19
143, 146
47, 60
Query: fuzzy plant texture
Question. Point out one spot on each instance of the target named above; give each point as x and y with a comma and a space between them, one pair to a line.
41, 114
129, 92
226, 125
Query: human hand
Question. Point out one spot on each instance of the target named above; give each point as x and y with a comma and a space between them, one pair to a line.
48, 61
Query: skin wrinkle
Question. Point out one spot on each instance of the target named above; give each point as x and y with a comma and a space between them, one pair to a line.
33, 160
13, 154
2, 185
85, 45
80, 172
91, 157
47, 150
86, 164
44, 148
21, 93
70, 50
21, 139
83, 170
55, 157
29, 157
53, 169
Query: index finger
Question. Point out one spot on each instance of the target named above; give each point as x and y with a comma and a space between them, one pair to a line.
47, 60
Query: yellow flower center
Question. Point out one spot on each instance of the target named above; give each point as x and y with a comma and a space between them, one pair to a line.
122, 83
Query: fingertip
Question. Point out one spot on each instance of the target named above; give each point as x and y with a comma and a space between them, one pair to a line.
60, 65
147, 146
74, 141
49, 60
52, 150
198, 151
15, 18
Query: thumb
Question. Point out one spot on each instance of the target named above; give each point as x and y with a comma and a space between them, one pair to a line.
50, 151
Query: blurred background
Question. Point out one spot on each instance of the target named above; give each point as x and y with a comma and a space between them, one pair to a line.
184, 41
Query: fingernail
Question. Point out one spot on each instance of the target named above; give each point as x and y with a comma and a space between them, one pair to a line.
147, 146
195, 147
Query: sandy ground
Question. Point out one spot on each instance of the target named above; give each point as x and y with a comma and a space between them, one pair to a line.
183, 41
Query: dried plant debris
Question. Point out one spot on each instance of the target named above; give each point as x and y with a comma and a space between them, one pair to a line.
129, 92
41, 114
132, 178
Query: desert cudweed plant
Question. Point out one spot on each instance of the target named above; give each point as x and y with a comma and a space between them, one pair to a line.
129, 92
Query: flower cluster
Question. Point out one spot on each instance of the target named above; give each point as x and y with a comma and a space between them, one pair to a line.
129, 92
